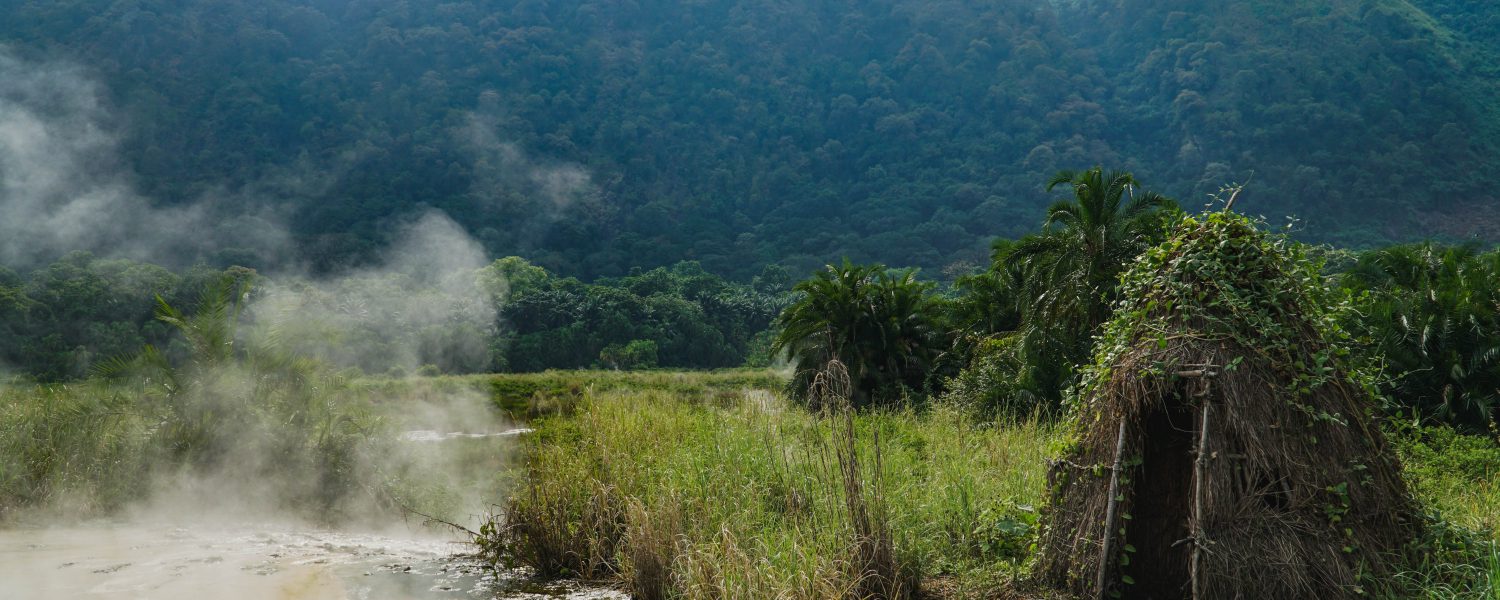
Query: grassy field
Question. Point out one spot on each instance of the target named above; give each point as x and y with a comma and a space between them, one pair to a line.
736, 494
93, 447
689, 485
530, 395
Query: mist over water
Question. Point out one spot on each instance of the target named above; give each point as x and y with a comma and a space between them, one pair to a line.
236, 525
229, 532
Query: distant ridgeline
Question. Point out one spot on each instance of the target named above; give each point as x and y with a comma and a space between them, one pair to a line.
595, 137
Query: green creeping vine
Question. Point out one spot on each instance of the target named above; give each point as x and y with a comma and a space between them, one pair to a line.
1234, 281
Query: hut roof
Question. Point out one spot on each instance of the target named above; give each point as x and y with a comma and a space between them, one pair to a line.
1223, 444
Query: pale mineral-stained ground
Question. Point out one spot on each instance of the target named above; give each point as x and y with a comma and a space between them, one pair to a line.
160, 561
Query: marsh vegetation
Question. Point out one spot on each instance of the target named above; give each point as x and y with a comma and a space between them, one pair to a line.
744, 493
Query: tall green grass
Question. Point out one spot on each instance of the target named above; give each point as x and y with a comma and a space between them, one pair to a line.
1457, 477
274, 421
84, 444
744, 496
224, 412
93, 447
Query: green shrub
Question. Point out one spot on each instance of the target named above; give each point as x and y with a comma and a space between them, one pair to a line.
636, 355
1457, 474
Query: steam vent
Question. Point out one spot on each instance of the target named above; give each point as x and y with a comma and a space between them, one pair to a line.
1223, 448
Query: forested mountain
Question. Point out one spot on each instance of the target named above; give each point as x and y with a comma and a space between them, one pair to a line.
593, 136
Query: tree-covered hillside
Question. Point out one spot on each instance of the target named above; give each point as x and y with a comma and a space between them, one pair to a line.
595, 136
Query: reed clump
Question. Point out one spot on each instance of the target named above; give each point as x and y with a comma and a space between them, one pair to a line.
750, 496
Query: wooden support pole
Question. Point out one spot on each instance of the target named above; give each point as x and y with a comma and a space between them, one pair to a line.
1109, 514
1201, 472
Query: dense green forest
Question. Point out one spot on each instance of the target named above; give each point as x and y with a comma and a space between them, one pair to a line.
596, 137
63, 321
1007, 341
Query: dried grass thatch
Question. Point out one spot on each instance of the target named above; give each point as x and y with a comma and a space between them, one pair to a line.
1224, 447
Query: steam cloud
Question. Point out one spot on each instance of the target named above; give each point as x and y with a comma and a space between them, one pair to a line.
529, 193
62, 187
424, 305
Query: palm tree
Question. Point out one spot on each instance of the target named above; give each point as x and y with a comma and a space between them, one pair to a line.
1434, 316
1071, 269
988, 302
882, 325
1086, 242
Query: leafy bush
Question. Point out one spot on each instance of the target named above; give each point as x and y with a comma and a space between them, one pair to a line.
993, 385
1431, 315
1460, 473
638, 354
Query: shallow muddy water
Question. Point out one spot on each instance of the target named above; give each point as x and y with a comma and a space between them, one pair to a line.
189, 552
163, 562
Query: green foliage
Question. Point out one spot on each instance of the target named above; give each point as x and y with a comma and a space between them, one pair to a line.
1071, 269
1454, 564
1231, 280
1457, 473
901, 131
83, 445
1005, 532
534, 395
994, 385
694, 319
1432, 314
884, 326
1026, 322
1069, 273
638, 354
1194, 72
80, 312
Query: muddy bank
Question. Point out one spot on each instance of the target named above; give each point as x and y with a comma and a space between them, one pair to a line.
163, 562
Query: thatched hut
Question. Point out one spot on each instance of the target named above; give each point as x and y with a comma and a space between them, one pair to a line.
1223, 448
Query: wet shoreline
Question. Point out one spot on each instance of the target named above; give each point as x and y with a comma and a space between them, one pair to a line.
159, 561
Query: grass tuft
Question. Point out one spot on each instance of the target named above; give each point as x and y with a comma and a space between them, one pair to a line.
747, 496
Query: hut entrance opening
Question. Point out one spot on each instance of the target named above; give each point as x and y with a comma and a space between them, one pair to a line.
1163, 501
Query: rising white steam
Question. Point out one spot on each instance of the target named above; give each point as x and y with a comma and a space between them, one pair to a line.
528, 192
63, 187
424, 305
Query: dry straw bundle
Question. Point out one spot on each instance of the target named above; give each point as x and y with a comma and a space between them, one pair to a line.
1224, 448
